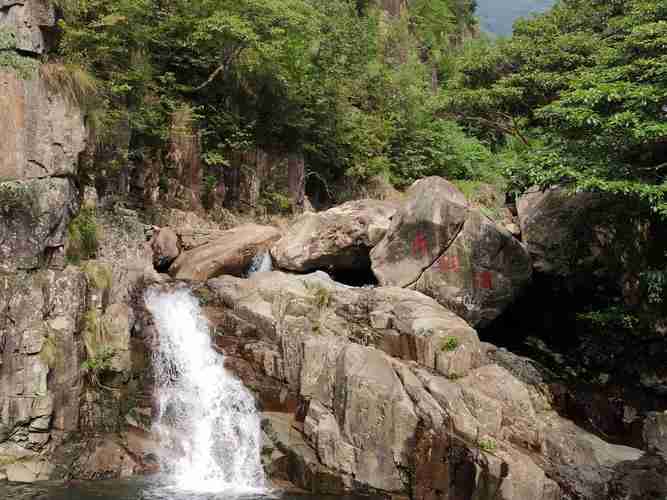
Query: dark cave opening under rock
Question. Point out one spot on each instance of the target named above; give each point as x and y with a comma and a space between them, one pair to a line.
362, 276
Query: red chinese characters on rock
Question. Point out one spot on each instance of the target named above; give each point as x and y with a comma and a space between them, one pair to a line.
419, 245
484, 280
449, 263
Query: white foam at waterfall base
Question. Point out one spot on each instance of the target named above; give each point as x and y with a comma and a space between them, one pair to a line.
207, 420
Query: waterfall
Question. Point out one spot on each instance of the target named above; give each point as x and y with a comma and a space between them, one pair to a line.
261, 263
207, 421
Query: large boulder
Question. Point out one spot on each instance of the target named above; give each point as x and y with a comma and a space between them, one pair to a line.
193, 231
41, 133
557, 228
426, 225
31, 22
440, 246
392, 398
34, 216
338, 239
231, 253
403, 323
480, 273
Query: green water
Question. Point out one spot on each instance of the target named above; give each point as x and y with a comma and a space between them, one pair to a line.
136, 489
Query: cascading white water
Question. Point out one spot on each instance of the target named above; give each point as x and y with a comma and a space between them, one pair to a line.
207, 421
261, 263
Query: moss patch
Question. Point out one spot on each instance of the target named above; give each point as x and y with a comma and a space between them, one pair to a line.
25, 67
99, 275
49, 351
84, 236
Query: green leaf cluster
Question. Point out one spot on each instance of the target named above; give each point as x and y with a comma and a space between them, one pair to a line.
343, 82
584, 89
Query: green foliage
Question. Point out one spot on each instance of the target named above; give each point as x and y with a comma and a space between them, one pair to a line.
275, 202
583, 88
612, 318
353, 91
95, 366
655, 285
488, 445
321, 295
15, 198
99, 275
449, 344
71, 81
83, 237
9, 58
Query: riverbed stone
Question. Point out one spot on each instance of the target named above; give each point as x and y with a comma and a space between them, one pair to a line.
337, 239
231, 253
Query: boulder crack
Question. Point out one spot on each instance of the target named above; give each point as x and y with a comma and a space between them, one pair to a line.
447, 246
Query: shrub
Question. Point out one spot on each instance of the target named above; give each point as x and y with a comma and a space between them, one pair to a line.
449, 344
71, 81
94, 366
321, 295
488, 445
99, 275
83, 237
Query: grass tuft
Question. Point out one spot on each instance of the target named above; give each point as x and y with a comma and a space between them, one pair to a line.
71, 81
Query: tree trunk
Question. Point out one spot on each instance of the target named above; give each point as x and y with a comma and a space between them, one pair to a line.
296, 175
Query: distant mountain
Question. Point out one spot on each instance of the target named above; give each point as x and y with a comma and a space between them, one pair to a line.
498, 16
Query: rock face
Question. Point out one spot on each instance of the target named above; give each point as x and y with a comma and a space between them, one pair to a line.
231, 253
165, 247
31, 22
34, 216
393, 397
55, 416
69, 370
480, 273
41, 137
441, 247
339, 238
41, 134
426, 224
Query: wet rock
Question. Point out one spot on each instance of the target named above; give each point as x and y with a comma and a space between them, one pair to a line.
231, 253
338, 239
446, 466
298, 460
